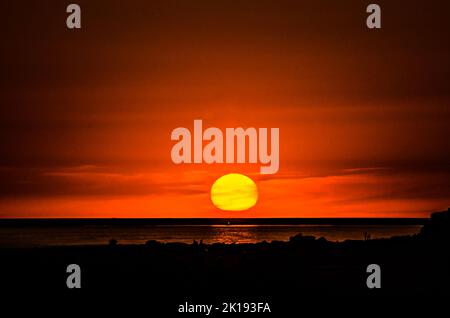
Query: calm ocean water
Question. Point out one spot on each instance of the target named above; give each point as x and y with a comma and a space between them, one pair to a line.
30, 236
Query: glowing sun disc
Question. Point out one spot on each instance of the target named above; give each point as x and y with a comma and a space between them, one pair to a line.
234, 192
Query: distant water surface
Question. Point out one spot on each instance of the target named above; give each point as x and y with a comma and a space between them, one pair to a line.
53, 235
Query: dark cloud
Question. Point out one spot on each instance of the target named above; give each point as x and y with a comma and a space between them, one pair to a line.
89, 181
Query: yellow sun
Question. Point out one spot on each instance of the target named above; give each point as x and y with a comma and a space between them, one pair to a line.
234, 192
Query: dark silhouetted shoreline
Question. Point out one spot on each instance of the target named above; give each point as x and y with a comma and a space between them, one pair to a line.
416, 263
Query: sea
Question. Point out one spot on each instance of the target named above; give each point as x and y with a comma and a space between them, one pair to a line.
41, 233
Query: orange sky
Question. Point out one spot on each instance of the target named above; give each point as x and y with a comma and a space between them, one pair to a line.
86, 115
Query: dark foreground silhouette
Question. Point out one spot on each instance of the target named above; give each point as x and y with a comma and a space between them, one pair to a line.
410, 265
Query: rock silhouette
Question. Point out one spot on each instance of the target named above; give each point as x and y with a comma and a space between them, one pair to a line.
437, 228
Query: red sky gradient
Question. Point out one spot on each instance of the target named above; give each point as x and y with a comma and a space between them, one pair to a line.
86, 115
